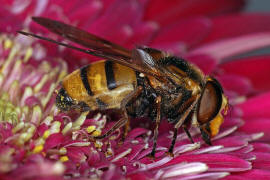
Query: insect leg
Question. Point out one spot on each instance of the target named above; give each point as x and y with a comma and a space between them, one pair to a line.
124, 103
180, 123
187, 133
124, 120
158, 106
117, 125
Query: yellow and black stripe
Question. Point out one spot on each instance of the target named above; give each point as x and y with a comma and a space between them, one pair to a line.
109, 70
100, 85
83, 74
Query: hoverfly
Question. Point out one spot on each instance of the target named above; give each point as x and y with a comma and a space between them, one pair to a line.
139, 82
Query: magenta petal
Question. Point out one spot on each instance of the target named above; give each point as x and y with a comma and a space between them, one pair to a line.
262, 161
136, 132
229, 122
166, 12
204, 62
215, 162
232, 141
142, 35
138, 176
41, 129
240, 85
257, 125
261, 147
87, 13
17, 21
177, 48
54, 140
258, 77
206, 176
5, 131
238, 24
256, 107
76, 155
188, 31
233, 46
254, 174
121, 14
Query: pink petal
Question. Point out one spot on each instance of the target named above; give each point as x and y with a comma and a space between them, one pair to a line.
166, 12
233, 46
54, 140
181, 170
176, 48
86, 13
76, 155
256, 107
229, 121
5, 25
254, 174
142, 35
116, 20
231, 141
261, 147
5, 131
215, 162
41, 129
262, 161
188, 31
237, 24
254, 70
211, 175
256, 125
204, 62
136, 132
239, 84
138, 176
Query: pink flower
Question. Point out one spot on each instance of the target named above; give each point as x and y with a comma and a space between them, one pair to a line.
38, 142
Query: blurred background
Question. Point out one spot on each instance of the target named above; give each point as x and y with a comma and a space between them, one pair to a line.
258, 5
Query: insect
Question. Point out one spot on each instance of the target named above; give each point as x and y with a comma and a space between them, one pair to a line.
139, 82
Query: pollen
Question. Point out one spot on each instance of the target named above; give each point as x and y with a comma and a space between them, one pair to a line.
90, 129
64, 159
8, 44
28, 54
96, 133
38, 149
46, 134
98, 144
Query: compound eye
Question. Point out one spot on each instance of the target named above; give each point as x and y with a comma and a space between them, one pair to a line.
210, 102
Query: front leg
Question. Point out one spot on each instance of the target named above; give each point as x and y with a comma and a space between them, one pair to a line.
180, 123
158, 107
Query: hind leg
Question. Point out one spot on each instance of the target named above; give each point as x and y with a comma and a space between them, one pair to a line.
125, 119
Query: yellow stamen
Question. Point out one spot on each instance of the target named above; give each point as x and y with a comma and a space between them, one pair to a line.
46, 134
28, 54
67, 128
98, 144
90, 129
79, 121
37, 115
8, 44
62, 150
38, 149
96, 133
64, 159
55, 128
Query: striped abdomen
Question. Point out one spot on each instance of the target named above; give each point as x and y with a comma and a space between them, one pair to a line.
101, 85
